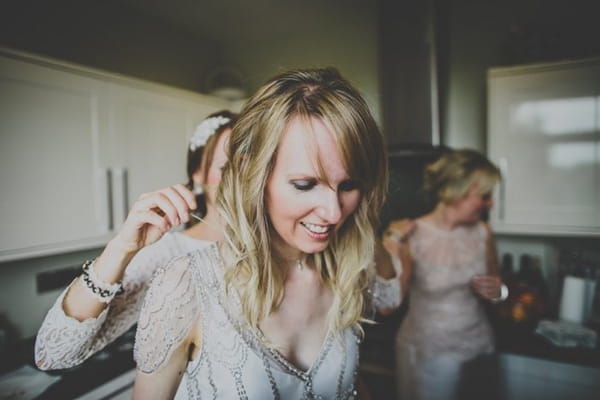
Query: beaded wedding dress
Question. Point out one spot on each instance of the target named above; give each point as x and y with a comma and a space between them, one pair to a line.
446, 323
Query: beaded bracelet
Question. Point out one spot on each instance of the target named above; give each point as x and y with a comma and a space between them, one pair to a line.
103, 291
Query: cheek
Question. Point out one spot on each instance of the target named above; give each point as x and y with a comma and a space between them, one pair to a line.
214, 176
350, 202
280, 203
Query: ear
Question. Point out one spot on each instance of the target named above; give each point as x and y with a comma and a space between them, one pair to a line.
198, 177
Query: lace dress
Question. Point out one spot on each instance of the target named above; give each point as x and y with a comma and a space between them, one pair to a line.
64, 342
446, 323
234, 362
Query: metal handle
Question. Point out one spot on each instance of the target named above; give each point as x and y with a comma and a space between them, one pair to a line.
109, 193
503, 166
125, 187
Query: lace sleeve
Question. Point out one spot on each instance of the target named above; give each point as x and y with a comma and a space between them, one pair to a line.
64, 342
386, 293
168, 313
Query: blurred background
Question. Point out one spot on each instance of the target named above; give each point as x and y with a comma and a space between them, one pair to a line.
426, 68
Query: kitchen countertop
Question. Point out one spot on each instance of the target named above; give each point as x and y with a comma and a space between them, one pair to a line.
113, 361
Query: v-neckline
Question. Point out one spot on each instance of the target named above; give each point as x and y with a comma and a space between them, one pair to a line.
287, 364
260, 339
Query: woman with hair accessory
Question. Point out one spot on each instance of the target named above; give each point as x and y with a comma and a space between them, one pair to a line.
105, 301
449, 266
274, 310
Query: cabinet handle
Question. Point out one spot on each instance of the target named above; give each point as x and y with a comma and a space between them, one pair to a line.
125, 182
503, 166
109, 193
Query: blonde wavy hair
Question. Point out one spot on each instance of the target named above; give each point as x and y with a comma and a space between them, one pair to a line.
345, 266
454, 173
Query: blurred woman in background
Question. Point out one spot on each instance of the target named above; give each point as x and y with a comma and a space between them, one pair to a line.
448, 266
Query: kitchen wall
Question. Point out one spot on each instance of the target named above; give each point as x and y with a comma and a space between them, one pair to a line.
133, 38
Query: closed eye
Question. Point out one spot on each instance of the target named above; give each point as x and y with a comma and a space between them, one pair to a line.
304, 185
348, 185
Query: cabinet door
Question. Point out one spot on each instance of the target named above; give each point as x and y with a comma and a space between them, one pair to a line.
54, 190
544, 135
150, 129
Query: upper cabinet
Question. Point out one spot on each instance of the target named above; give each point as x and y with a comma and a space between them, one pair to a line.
78, 146
544, 134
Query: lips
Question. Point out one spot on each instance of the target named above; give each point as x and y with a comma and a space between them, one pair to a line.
318, 229
319, 232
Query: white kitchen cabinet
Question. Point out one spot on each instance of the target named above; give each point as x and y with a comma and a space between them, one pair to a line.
54, 193
78, 145
544, 134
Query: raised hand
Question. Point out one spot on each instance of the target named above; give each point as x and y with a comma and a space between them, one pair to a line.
397, 233
153, 214
487, 286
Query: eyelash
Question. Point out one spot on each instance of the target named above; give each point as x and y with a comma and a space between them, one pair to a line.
348, 186
304, 186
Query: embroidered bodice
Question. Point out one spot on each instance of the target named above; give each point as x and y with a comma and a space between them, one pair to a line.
234, 362
445, 315
63, 341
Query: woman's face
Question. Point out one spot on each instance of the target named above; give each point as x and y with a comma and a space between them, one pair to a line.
472, 206
213, 176
304, 210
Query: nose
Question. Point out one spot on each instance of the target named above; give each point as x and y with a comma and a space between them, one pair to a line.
330, 207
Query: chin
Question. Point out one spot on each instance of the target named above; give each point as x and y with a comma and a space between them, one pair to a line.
314, 248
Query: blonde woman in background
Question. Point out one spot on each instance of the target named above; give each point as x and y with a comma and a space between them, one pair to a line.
449, 269
105, 301
274, 310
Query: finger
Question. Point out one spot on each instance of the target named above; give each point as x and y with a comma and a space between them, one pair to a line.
394, 234
150, 217
187, 195
178, 200
159, 203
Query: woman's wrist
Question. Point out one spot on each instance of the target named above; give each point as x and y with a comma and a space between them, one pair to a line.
102, 290
110, 266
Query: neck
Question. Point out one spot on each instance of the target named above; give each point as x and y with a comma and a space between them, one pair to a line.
443, 216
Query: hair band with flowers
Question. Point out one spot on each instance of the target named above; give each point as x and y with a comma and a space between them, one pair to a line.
205, 130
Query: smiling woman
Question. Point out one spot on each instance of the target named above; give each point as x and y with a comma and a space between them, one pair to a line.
274, 310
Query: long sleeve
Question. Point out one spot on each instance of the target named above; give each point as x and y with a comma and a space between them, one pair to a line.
64, 342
